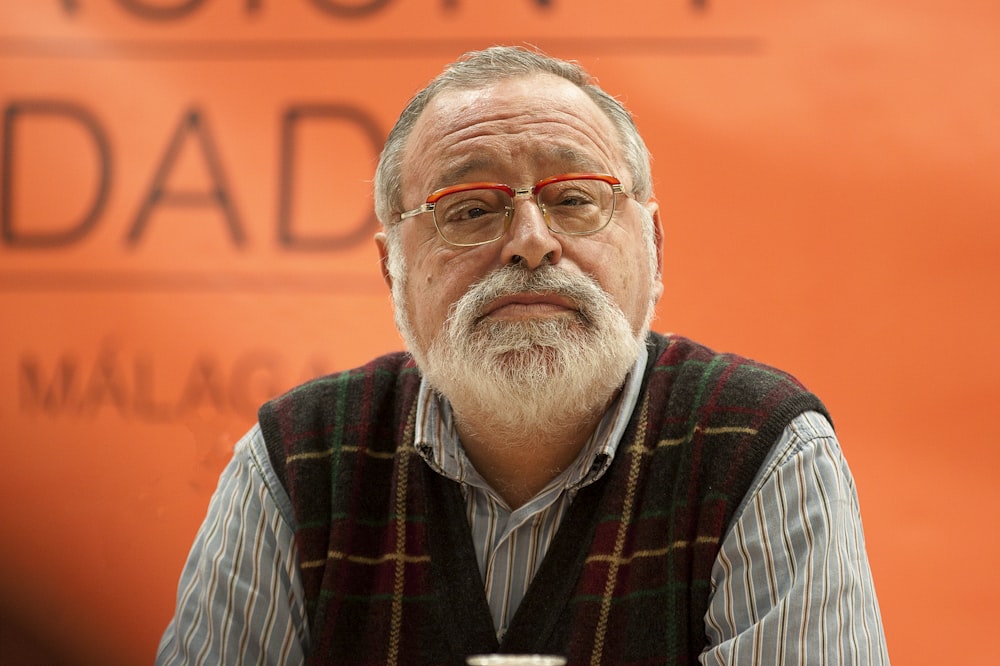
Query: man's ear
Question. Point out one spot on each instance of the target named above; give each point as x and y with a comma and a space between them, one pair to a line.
654, 210
383, 257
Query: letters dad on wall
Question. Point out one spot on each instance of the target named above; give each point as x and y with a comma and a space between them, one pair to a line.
179, 168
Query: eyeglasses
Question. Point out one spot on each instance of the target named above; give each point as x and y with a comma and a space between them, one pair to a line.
575, 204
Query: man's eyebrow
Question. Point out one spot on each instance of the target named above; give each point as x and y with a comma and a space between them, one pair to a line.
576, 160
573, 160
459, 171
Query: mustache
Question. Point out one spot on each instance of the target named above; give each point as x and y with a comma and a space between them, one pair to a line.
581, 289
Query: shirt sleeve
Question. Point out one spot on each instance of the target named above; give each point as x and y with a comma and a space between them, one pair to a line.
792, 583
240, 597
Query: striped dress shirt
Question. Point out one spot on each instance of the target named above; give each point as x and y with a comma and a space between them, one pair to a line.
791, 584
510, 545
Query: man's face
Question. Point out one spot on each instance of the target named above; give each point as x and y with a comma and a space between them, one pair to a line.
518, 132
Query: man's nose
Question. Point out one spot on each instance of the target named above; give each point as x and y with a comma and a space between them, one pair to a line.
528, 238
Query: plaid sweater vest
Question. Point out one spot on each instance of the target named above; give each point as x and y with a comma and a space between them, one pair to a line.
387, 560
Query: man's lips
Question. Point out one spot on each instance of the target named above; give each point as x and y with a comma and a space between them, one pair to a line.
523, 306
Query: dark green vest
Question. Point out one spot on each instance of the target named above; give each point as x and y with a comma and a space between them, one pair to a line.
386, 555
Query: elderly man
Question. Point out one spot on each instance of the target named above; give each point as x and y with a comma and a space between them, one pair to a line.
540, 473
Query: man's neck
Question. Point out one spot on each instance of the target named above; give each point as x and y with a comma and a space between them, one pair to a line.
519, 463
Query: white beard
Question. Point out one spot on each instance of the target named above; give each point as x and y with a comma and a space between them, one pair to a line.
523, 374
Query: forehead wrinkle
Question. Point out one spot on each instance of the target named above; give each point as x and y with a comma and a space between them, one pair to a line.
463, 129
458, 170
569, 159
517, 123
568, 155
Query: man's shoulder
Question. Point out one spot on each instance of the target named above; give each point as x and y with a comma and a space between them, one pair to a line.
362, 409
680, 356
383, 373
691, 377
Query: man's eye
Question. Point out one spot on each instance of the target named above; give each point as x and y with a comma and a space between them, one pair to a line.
569, 194
467, 213
573, 200
474, 206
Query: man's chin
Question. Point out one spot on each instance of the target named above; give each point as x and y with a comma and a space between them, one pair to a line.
528, 335
540, 361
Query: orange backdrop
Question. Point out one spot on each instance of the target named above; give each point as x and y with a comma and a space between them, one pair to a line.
186, 224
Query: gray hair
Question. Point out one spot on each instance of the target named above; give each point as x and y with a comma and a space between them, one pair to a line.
479, 69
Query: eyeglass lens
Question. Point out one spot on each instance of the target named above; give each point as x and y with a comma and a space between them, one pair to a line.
480, 215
